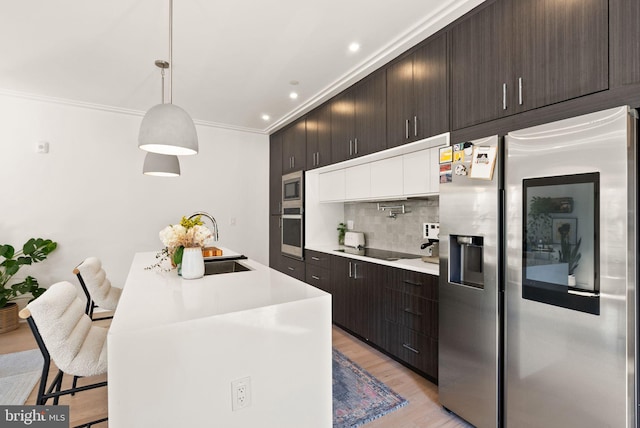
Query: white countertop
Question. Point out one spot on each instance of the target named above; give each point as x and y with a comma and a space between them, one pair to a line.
152, 298
416, 265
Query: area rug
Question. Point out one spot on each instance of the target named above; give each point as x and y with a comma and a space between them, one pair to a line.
19, 373
358, 397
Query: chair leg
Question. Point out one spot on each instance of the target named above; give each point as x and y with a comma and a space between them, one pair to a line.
75, 383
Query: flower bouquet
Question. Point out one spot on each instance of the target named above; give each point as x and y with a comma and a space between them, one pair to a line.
190, 233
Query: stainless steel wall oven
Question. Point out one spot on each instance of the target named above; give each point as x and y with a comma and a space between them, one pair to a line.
292, 227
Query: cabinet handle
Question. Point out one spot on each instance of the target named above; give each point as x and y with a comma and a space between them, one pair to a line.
350, 274
406, 129
355, 144
350, 147
504, 96
355, 271
404, 345
317, 259
280, 207
409, 311
293, 161
290, 268
317, 158
417, 284
520, 90
317, 278
415, 126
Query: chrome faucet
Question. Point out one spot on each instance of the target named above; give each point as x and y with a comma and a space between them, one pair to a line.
210, 217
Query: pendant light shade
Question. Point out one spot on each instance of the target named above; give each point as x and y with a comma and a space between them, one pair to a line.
169, 130
161, 165
166, 128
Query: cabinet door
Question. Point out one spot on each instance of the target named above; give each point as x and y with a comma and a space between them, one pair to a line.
624, 46
319, 137
275, 173
387, 178
331, 186
358, 182
561, 50
417, 172
399, 101
477, 53
275, 253
318, 277
323, 157
434, 170
342, 126
431, 89
370, 116
340, 291
312, 138
294, 147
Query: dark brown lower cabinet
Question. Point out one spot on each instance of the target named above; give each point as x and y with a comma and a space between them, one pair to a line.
318, 277
411, 316
417, 350
292, 267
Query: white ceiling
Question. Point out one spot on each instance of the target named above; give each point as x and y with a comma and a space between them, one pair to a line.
233, 59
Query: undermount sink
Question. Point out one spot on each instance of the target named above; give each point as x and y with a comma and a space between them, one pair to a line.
224, 266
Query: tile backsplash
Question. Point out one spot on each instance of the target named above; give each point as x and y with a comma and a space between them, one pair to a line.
404, 233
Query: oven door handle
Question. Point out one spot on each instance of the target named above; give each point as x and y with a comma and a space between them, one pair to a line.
292, 216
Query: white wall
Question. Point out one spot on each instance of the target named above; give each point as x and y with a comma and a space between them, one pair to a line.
89, 194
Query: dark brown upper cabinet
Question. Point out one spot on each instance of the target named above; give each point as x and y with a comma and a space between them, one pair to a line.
294, 147
517, 55
358, 119
624, 42
417, 94
275, 174
319, 137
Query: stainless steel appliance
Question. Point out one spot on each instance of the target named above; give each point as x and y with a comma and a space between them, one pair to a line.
469, 311
571, 215
538, 276
292, 231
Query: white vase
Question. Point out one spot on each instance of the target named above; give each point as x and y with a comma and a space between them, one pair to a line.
571, 281
192, 263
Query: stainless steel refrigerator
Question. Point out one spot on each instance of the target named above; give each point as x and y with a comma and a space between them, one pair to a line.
539, 328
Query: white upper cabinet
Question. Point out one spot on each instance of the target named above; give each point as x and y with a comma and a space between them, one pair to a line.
358, 182
332, 186
410, 170
421, 172
387, 178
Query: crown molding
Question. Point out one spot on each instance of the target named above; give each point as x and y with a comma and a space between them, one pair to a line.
430, 24
114, 109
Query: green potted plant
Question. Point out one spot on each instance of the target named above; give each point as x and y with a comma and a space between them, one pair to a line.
568, 253
33, 251
342, 228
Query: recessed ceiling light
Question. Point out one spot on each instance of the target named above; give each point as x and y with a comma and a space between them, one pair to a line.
294, 82
293, 95
354, 47
266, 117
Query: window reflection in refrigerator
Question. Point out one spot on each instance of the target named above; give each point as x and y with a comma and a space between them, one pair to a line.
560, 241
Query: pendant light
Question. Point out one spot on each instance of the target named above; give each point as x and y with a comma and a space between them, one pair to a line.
157, 164
161, 165
166, 128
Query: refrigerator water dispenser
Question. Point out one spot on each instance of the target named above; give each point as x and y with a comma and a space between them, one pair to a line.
465, 260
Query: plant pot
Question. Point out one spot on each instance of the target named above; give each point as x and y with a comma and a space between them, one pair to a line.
192, 263
571, 281
9, 317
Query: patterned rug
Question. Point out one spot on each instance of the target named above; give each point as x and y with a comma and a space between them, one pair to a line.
358, 397
19, 373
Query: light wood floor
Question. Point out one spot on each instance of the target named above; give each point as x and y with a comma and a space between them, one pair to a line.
423, 409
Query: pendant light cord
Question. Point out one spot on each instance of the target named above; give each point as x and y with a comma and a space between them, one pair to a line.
170, 52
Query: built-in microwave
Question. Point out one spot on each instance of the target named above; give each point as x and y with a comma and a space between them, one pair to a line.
292, 233
292, 189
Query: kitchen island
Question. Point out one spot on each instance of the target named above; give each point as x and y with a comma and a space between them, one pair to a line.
175, 346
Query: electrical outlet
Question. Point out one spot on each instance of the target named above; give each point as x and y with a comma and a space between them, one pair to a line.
431, 230
241, 393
